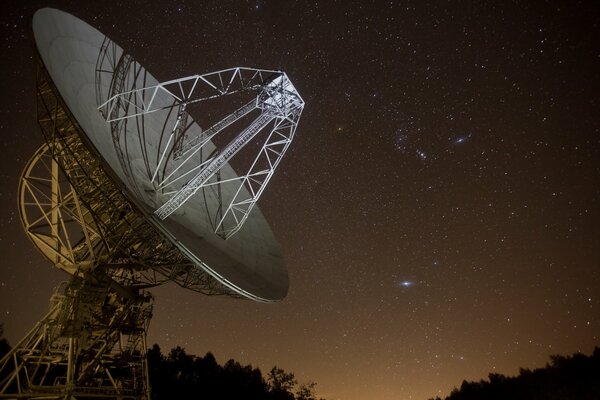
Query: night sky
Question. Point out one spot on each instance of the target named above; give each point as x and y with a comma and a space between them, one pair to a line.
438, 210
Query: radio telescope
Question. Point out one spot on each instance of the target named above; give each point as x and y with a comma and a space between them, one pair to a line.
130, 192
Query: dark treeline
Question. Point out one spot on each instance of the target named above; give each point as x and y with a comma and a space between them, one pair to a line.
565, 378
179, 375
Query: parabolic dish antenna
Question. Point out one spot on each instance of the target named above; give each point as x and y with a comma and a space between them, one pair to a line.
129, 192
169, 165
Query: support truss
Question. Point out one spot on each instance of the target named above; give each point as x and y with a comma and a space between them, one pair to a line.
256, 179
279, 107
91, 344
189, 90
54, 217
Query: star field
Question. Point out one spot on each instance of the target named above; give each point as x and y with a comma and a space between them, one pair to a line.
438, 210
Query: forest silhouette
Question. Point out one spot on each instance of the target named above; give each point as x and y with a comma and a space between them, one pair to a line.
575, 377
178, 375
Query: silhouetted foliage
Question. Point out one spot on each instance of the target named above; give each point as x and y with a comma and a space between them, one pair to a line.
281, 384
306, 392
4, 349
4, 346
179, 375
182, 376
565, 378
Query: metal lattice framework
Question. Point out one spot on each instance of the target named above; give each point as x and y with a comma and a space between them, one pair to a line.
91, 344
54, 218
277, 108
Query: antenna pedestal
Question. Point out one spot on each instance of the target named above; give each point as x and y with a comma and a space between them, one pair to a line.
91, 344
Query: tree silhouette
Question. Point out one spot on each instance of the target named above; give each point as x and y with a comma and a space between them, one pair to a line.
183, 376
564, 378
306, 392
281, 384
4, 346
179, 375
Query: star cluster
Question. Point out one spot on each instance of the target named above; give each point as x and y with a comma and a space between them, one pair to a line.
438, 209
